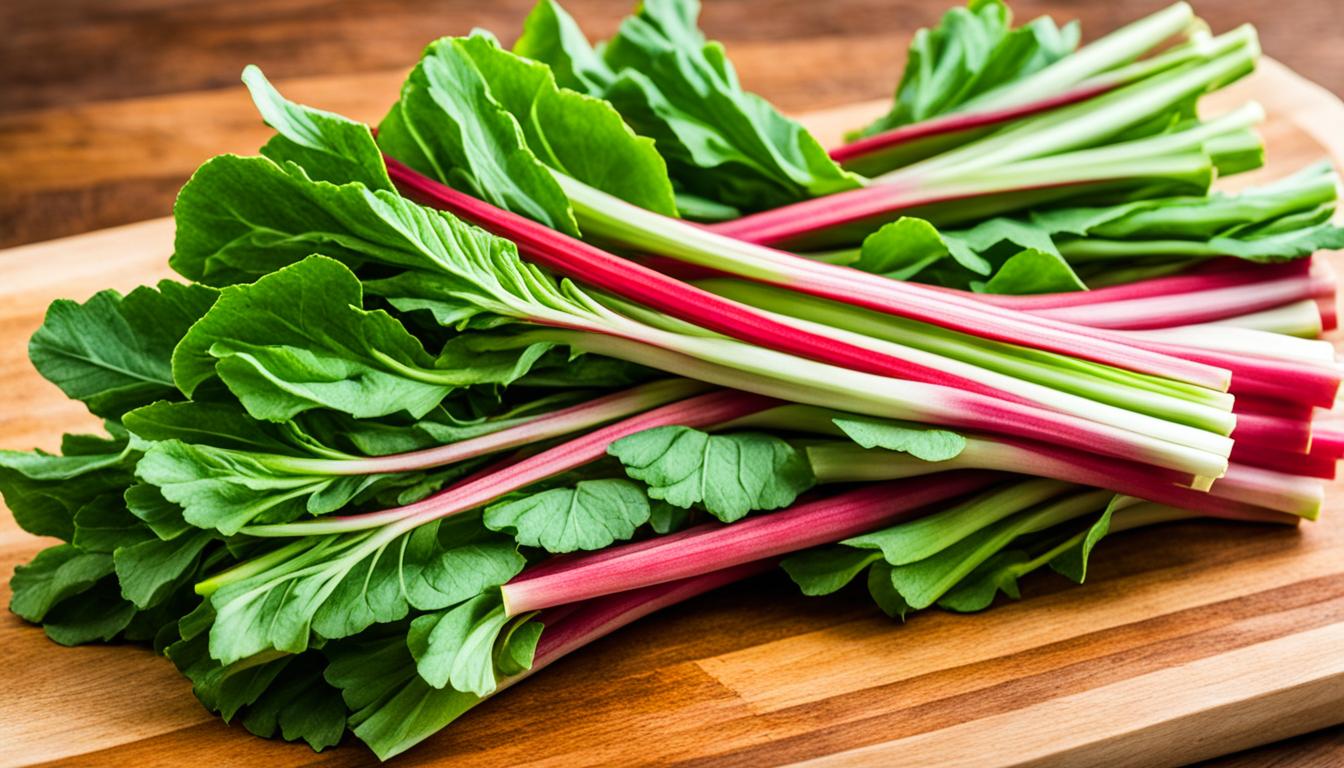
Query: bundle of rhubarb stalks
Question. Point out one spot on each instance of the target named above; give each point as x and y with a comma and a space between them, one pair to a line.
577, 332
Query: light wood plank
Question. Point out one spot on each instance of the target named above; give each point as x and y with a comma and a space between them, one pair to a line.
1193, 629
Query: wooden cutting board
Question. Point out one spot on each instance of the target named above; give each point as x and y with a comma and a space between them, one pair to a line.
1187, 642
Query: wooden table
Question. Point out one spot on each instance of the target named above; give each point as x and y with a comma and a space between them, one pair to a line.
106, 107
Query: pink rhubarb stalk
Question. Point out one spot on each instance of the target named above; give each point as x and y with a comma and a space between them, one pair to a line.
1240, 490
1218, 277
585, 622
555, 424
713, 547
588, 264
701, 411
870, 150
1320, 461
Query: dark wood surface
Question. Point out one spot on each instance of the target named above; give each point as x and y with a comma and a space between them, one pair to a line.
107, 106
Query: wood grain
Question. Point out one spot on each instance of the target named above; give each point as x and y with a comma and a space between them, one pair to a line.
105, 107
1187, 642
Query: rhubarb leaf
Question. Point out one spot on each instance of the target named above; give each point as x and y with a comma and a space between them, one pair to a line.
299, 704
45, 492
1283, 246
160, 515
666, 518
1071, 562
998, 574
228, 232
449, 126
918, 441
1067, 554
917, 540
576, 134
222, 688
1034, 271
719, 140
923, 582
53, 575
590, 515
884, 593
828, 569
517, 647
149, 571
1032, 253
97, 615
114, 352
906, 247
373, 580
106, 525
731, 475
239, 472
550, 35
297, 339
392, 708
721, 143
972, 51
1312, 190
456, 647
327, 146
449, 423
226, 490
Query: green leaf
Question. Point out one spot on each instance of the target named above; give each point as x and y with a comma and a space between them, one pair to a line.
451, 422
720, 141
340, 585
392, 707
297, 340
105, 525
906, 247
299, 704
923, 582
230, 230
884, 593
162, 516
576, 134
667, 518
447, 124
998, 574
38, 488
1071, 562
222, 688
916, 540
918, 441
1283, 246
517, 647
222, 425
226, 490
1034, 271
731, 475
550, 35
327, 146
972, 51
591, 515
56, 573
456, 647
827, 569
149, 571
113, 352
97, 615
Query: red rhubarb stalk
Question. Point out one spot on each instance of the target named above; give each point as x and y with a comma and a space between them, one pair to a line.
588, 264
701, 411
713, 547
